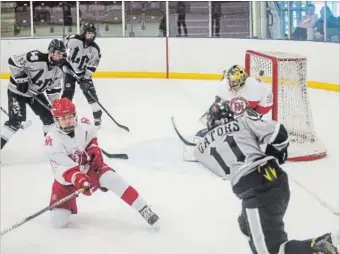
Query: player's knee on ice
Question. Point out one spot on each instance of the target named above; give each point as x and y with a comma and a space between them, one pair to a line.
60, 218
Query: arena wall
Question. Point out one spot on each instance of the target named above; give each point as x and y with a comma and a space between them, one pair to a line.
191, 58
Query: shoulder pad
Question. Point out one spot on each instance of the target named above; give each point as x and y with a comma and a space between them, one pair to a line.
73, 36
95, 45
36, 56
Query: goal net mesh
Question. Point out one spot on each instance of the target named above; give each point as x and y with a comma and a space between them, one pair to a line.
287, 74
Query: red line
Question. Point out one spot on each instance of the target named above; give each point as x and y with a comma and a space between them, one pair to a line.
166, 58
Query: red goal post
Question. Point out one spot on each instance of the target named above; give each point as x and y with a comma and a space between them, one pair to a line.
287, 74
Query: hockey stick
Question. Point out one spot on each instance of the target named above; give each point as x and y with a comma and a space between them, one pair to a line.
115, 155
180, 136
70, 72
109, 115
26, 124
50, 207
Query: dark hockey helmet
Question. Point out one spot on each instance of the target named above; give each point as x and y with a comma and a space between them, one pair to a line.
89, 33
219, 113
57, 51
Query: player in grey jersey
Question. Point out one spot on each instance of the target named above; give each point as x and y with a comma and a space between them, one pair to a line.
32, 74
83, 56
231, 149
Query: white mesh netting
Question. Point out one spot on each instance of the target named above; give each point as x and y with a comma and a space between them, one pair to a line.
293, 108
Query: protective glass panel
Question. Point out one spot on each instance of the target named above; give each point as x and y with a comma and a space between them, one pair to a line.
106, 15
15, 19
145, 19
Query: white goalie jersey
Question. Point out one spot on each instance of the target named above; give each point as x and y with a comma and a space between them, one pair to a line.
254, 94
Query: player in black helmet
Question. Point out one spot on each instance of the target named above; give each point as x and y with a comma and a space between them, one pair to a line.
231, 149
83, 57
33, 73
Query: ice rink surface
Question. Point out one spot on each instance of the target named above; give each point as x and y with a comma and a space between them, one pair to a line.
198, 212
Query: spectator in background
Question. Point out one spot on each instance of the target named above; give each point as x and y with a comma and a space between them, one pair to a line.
216, 17
307, 22
332, 24
181, 10
67, 14
162, 25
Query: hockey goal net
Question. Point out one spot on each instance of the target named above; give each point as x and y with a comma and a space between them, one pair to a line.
287, 73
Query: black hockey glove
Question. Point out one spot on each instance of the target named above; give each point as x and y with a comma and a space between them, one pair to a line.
22, 82
85, 84
281, 155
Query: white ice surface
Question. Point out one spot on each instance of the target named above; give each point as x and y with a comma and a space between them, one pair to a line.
198, 212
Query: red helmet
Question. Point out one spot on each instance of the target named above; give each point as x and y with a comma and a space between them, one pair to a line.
62, 107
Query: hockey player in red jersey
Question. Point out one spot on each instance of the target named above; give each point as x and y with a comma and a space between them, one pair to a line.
77, 162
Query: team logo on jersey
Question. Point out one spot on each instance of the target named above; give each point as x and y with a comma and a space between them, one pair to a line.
48, 141
238, 105
78, 156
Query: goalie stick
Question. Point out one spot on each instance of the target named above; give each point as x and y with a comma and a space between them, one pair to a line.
186, 142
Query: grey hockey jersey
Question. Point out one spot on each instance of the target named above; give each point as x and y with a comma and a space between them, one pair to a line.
41, 74
232, 150
84, 59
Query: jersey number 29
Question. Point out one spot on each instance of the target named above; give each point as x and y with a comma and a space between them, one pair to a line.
234, 148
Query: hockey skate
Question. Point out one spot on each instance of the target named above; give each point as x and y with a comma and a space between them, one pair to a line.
149, 215
324, 245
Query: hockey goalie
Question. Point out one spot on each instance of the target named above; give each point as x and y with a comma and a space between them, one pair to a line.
244, 94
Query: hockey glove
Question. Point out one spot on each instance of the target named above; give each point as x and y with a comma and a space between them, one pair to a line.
95, 153
85, 84
78, 179
22, 83
81, 180
281, 155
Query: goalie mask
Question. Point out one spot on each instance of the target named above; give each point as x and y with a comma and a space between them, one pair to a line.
219, 113
64, 114
236, 77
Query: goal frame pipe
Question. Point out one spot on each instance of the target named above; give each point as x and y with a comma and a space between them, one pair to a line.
275, 113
